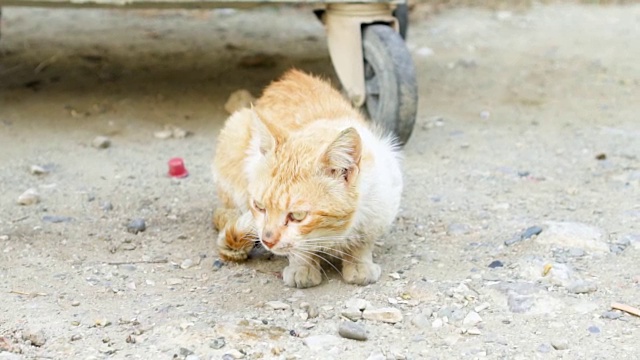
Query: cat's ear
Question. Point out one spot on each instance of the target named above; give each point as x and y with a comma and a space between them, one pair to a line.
264, 137
342, 157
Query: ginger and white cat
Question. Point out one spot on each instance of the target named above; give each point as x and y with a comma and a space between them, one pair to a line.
306, 175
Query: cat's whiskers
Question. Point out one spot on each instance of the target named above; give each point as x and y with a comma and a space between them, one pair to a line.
308, 260
312, 254
327, 251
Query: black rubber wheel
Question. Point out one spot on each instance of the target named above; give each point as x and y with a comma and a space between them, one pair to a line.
401, 13
390, 80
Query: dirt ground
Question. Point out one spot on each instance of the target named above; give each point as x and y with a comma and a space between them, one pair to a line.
527, 118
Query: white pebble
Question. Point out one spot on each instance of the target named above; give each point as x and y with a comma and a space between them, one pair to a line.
186, 263
474, 331
389, 315
471, 319
101, 142
481, 307
29, 197
38, 170
356, 303
278, 305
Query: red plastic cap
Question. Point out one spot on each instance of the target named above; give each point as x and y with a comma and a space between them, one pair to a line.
177, 169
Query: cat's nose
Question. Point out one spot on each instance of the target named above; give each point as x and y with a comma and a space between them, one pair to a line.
268, 239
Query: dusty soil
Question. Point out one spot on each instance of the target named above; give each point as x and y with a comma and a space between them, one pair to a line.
527, 118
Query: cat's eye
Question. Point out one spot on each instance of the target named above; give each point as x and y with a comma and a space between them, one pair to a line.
258, 205
297, 216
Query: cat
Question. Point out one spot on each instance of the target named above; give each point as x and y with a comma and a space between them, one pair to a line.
303, 173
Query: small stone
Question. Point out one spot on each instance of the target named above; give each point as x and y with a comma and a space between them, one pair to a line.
581, 287
106, 206
171, 131
353, 331
389, 315
474, 331
560, 344
496, 264
103, 322
239, 99
544, 348
376, 355
482, 307
75, 303
526, 234
531, 231
437, 323
38, 170
174, 281
136, 225
76, 337
593, 329
278, 305
186, 264
355, 303
456, 229
471, 319
29, 197
101, 142
576, 252
56, 219
395, 276
421, 321
312, 311
321, 342
611, 315
574, 235
352, 314
37, 338
424, 52
185, 352
217, 343
192, 357
217, 264
163, 134
4, 237
485, 114
457, 315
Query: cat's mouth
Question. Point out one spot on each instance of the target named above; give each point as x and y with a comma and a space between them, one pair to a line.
278, 249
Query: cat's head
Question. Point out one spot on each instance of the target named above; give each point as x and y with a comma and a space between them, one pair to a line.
303, 186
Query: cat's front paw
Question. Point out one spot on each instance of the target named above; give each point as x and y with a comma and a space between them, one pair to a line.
234, 245
361, 273
301, 276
